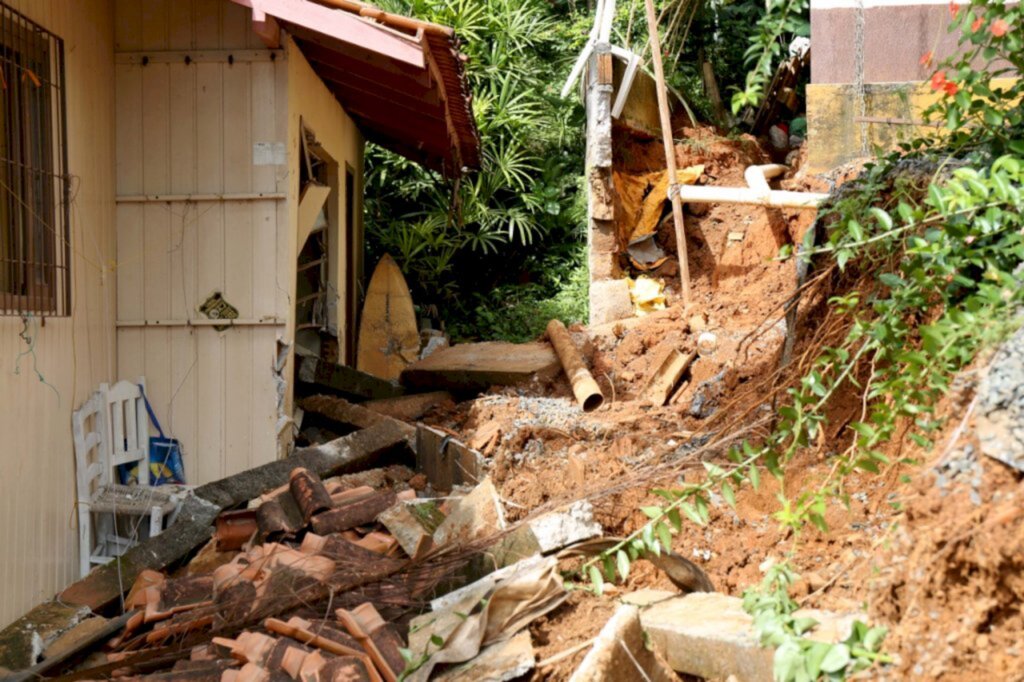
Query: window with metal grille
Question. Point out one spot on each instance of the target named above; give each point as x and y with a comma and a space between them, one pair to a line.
35, 243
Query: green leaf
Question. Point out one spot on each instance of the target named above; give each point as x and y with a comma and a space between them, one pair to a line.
665, 535
652, 512
836, 659
728, 494
802, 625
596, 579
623, 564
691, 513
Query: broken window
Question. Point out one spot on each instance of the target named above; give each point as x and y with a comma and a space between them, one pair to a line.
34, 185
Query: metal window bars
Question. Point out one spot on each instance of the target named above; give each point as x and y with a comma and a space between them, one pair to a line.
35, 246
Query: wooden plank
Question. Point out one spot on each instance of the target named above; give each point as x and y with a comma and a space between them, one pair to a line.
130, 226
265, 275
472, 366
322, 376
210, 460
667, 369
180, 29
207, 27
209, 128
264, 395
156, 132
237, 130
264, 121
128, 112
182, 84
446, 462
181, 415
128, 25
238, 405
155, 24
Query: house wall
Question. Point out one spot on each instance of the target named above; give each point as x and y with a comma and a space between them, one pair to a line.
312, 105
202, 112
57, 362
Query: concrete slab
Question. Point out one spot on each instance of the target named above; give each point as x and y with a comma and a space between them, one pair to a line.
711, 636
620, 655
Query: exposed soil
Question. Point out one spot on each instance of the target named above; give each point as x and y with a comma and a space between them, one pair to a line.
942, 566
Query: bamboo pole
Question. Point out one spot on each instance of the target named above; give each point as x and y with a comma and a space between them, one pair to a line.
670, 151
588, 393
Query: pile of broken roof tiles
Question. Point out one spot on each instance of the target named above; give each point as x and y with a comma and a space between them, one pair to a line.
263, 579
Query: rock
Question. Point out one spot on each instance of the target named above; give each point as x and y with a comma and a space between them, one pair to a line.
698, 323
610, 301
619, 654
474, 516
1001, 405
710, 635
562, 528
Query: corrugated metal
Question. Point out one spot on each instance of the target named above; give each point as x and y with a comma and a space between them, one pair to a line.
38, 539
188, 127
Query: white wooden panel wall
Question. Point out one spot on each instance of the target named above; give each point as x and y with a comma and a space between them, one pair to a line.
189, 129
74, 354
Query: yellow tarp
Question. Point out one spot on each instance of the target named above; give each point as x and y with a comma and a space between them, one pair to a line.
651, 210
648, 295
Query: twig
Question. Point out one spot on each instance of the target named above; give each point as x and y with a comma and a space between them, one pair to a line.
561, 655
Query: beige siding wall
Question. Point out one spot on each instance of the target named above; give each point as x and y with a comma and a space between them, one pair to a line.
190, 129
38, 540
311, 104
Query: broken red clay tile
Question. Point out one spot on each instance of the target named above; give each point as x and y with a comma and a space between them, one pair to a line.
379, 543
273, 522
233, 529
161, 635
353, 514
309, 492
383, 634
147, 578
250, 672
346, 669
324, 643
350, 495
383, 661
351, 556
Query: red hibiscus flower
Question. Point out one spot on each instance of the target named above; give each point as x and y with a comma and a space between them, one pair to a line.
954, 9
999, 28
977, 24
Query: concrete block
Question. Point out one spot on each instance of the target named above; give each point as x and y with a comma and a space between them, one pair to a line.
609, 301
474, 516
566, 527
711, 636
603, 266
602, 237
620, 655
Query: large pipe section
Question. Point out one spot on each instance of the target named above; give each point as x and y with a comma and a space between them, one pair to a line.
588, 393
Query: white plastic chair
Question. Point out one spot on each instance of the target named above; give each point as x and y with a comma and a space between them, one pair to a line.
111, 429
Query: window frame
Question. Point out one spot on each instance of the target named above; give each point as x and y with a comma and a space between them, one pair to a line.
35, 192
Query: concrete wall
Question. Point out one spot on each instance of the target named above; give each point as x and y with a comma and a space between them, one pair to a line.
38, 538
866, 63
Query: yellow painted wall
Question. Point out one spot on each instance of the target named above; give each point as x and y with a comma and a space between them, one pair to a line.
187, 129
38, 539
312, 105
835, 137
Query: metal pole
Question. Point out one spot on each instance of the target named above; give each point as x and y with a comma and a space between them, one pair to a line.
670, 151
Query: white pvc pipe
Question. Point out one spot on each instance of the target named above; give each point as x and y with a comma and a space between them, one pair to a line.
759, 193
745, 195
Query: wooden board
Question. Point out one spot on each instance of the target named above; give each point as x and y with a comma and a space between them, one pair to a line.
472, 366
389, 340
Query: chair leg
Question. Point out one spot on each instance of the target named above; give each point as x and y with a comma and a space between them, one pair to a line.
156, 522
84, 539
